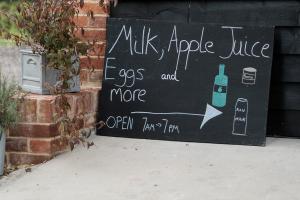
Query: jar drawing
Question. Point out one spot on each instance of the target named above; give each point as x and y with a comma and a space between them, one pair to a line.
220, 88
249, 76
240, 117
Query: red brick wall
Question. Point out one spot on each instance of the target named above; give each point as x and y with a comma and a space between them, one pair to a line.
36, 138
94, 29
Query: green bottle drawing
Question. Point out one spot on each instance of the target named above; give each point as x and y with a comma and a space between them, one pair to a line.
220, 88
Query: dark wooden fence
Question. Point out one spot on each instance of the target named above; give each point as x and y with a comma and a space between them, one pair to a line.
284, 106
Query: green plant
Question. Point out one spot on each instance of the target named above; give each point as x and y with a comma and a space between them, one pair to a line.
10, 97
47, 27
8, 6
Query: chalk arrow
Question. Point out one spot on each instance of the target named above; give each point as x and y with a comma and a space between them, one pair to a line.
210, 113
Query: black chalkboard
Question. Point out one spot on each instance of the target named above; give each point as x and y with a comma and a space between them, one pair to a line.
186, 82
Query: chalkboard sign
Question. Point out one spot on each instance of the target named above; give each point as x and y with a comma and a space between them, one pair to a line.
186, 82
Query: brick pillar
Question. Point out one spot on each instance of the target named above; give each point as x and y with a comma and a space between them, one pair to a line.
94, 29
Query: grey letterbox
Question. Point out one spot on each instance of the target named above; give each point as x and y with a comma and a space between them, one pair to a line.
35, 75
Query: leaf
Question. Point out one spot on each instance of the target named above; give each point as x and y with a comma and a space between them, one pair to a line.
101, 3
92, 15
89, 144
28, 169
71, 145
81, 3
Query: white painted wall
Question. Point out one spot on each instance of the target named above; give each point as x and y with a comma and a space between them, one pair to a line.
10, 62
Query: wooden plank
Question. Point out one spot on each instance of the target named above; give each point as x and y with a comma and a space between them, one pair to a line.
130, 9
157, 10
283, 123
261, 13
285, 96
287, 40
176, 11
286, 68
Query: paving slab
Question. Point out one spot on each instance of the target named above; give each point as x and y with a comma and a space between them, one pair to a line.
135, 169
